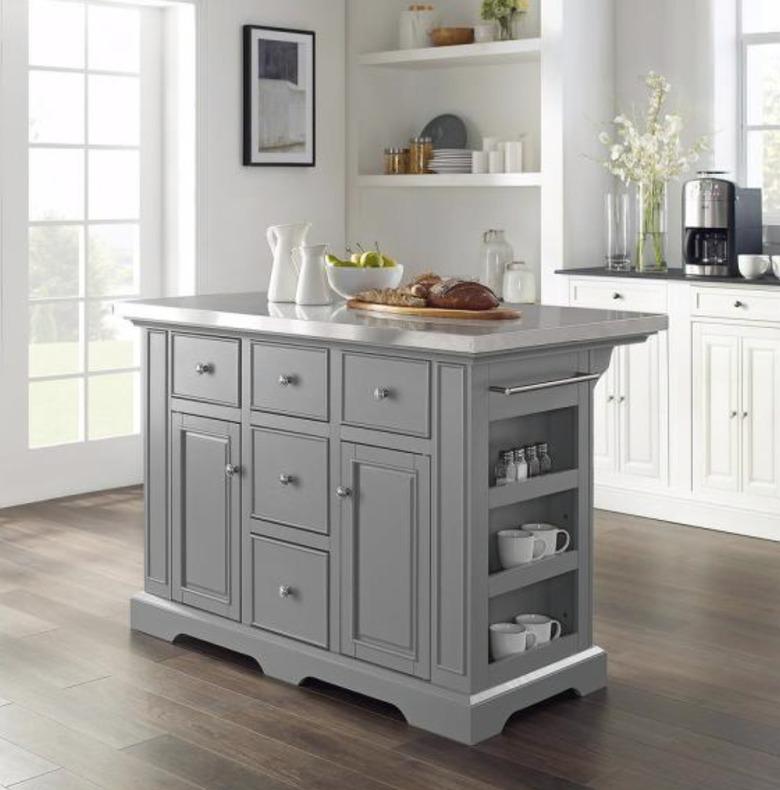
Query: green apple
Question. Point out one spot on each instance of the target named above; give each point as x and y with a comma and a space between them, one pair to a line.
388, 262
355, 258
334, 261
371, 260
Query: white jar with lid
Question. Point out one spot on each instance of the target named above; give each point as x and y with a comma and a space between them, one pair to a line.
519, 285
415, 26
497, 253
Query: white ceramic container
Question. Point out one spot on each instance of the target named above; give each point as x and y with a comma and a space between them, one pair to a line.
283, 239
349, 281
518, 547
508, 639
312, 283
751, 267
549, 534
544, 628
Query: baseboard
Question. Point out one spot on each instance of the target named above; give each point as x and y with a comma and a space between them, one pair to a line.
664, 506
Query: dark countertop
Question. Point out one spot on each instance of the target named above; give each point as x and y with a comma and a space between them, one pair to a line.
674, 275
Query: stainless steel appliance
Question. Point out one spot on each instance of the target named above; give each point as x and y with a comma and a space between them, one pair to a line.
720, 222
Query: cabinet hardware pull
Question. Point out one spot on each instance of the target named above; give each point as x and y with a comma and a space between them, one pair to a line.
231, 470
285, 591
744, 415
738, 303
734, 414
285, 381
545, 385
343, 492
285, 480
381, 393
617, 295
204, 367
611, 399
622, 399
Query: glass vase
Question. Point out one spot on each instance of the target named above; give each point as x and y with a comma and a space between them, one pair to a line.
506, 28
618, 244
651, 226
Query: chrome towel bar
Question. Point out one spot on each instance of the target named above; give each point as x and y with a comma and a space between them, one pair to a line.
546, 385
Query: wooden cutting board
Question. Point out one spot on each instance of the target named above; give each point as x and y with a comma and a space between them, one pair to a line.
496, 314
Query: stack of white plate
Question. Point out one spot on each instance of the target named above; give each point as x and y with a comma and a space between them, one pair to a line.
451, 160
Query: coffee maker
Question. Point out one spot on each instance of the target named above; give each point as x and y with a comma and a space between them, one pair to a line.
720, 222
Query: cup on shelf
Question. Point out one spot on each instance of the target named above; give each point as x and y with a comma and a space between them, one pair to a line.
479, 162
496, 162
549, 535
508, 639
513, 156
544, 628
518, 547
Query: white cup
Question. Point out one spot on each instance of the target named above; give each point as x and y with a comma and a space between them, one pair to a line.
549, 534
479, 162
751, 267
508, 639
513, 156
544, 628
496, 161
490, 144
518, 547
484, 32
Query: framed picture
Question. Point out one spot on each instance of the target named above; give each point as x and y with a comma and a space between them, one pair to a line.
279, 97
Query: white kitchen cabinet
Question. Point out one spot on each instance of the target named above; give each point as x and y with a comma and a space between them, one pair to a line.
736, 429
604, 423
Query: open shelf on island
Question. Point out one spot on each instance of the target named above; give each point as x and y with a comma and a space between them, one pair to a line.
506, 581
533, 488
480, 180
514, 667
489, 54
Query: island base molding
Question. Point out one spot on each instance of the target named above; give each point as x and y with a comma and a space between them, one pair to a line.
662, 506
461, 717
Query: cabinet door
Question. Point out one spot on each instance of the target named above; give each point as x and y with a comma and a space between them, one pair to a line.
716, 395
385, 531
206, 514
604, 420
760, 417
639, 395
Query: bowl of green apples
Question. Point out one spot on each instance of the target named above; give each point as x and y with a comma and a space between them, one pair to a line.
362, 271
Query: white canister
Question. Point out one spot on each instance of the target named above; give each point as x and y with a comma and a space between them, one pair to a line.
415, 25
479, 162
519, 285
490, 143
496, 162
484, 32
513, 156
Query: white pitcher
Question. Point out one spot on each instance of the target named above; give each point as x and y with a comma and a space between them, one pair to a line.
283, 239
313, 288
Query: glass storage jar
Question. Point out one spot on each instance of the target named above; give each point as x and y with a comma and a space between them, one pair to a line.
396, 161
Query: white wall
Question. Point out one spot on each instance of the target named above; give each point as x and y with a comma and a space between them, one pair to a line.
238, 202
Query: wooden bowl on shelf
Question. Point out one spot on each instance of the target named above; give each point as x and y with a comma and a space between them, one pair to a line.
452, 36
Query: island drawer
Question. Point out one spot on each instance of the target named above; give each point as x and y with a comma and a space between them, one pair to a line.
289, 590
290, 380
290, 479
742, 303
206, 369
619, 294
387, 393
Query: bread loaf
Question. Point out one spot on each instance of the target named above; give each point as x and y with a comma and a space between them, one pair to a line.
455, 294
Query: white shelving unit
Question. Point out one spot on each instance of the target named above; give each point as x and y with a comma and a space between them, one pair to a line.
493, 54
459, 180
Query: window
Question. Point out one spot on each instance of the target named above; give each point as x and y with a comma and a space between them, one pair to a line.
760, 104
85, 226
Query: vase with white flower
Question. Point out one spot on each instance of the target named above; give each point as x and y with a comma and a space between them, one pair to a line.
648, 155
505, 13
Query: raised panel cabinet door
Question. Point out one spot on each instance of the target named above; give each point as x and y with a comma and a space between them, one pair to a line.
604, 418
639, 394
206, 514
760, 415
385, 523
716, 417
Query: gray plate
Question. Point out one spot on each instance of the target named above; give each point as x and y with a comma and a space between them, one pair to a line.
446, 131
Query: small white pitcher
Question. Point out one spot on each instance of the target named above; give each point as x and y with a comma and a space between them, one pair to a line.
313, 288
283, 239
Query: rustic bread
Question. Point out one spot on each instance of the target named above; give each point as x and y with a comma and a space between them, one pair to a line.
455, 294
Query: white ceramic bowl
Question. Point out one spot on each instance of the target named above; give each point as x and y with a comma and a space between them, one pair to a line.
751, 267
349, 281
776, 265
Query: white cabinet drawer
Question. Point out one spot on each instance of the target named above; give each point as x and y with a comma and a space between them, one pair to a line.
619, 294
742, 303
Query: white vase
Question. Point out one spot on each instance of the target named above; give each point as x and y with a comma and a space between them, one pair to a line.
283, 239
313, 288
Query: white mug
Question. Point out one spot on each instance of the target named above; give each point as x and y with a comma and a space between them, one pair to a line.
751, 267
508, 639
496, 161
549, 534
517, 547
544, 628
479, 162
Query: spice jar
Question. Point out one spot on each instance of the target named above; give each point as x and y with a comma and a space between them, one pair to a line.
396, 161
420, 154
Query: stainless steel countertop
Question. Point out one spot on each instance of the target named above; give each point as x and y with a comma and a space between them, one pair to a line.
252, 313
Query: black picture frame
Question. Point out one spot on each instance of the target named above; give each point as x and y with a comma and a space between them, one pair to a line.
288, 57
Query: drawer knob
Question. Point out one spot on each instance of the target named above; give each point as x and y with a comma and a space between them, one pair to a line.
381, 393
734, 415
285, 381
745, 415
617, 295
738, 303
611, 399
231, 470
204, 367
343, 492
285, 479
285, 591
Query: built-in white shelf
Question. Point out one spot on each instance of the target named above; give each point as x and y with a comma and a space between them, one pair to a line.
523, 50
453, 180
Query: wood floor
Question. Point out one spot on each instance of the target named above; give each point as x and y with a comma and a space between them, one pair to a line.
690, 619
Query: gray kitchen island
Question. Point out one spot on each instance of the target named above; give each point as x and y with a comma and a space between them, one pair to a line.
320, 495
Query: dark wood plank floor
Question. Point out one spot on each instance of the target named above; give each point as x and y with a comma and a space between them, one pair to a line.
691, 621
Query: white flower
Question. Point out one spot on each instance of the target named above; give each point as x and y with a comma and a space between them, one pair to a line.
604, 138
